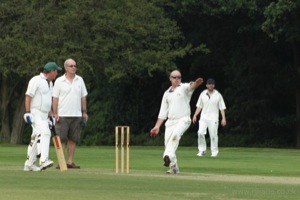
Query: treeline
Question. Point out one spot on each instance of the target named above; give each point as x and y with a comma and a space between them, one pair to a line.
125, 49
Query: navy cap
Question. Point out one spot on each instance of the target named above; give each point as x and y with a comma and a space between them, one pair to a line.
210, 81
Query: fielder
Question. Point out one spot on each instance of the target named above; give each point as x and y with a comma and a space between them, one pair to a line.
38, 101
209, 102
175, 107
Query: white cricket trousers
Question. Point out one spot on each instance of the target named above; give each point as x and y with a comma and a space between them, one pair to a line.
212, 126
41, 126
174, 130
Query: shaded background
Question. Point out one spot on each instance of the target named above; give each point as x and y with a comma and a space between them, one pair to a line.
125, 49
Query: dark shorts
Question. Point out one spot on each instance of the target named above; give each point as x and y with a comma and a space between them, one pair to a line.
68, 128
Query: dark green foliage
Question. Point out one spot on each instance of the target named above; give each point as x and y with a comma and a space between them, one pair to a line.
118, 45
125, 49
254, 74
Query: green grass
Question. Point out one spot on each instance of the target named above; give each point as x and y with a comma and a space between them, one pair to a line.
237, 173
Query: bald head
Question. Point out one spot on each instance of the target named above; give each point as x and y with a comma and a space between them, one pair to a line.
69, 61
175, 73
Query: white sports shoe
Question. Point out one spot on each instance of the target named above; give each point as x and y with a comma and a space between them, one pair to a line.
201, 153
46, 164
32, 168
214, 155
173, 170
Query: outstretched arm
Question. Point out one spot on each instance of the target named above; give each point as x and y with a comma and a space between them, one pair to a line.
196, 83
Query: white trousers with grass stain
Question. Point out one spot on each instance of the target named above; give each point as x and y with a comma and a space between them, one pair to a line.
173, 133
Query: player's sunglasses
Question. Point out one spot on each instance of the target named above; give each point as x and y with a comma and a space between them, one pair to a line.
176, 77
72, 66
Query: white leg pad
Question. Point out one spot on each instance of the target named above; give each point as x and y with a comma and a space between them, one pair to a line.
32, 150
45, 143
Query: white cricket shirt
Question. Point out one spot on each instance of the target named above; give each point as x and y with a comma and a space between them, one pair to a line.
210, 105
176, 104
40, 91
69, 96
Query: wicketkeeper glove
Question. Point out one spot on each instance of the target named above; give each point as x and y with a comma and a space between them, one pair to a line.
28, 118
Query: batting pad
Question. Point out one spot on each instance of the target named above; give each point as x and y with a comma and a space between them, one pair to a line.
32, 150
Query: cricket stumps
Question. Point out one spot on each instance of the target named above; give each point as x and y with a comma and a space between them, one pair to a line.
120, 130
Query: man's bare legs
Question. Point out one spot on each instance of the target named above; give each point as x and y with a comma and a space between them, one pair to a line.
71, 151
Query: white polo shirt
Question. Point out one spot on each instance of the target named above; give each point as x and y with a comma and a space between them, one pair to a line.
40, 91
69, 96
176, 104
210, 105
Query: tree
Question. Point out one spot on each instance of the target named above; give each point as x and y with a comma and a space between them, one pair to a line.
13, 51
246, 63
131, 44
115, 43
282, 24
